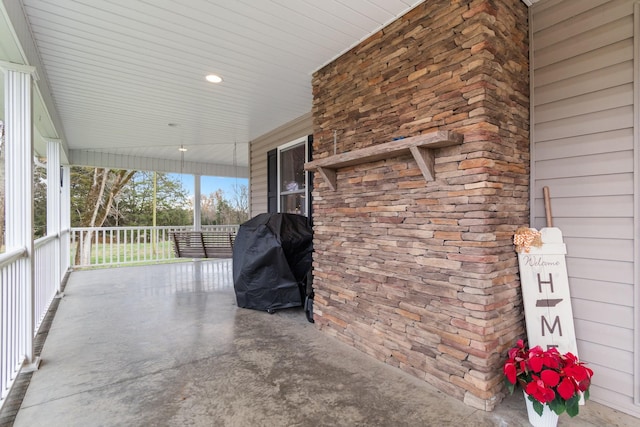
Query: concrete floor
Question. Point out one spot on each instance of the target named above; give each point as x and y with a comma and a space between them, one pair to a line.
165, 345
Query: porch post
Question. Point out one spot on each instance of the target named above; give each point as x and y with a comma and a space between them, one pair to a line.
53, 202
19, 189
65, 222
197, 204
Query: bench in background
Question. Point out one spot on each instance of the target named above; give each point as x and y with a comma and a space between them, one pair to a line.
203, 244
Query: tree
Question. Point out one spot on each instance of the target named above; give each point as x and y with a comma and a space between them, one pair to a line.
93, 192
135, 203
216, 209
208, 209
39, 199
240, 203
224, 212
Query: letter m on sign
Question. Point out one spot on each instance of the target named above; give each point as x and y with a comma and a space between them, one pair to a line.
545, 324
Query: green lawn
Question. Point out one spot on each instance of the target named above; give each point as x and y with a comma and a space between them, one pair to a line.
113, 254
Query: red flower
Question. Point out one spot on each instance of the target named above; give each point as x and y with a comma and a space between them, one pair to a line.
566, 389
539, 358
517, 349
510, 372
535, 362
584, 385
578, 372
539, 390
548, 377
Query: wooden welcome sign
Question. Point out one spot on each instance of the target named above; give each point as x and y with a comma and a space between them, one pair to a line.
545, 291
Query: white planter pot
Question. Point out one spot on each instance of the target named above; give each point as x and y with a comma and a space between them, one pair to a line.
547, 419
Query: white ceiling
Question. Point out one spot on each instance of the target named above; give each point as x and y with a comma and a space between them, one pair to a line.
120, 71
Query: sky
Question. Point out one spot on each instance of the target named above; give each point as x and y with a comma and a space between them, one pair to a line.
209, 184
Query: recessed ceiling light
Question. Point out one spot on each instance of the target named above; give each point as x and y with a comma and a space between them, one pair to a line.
213, 78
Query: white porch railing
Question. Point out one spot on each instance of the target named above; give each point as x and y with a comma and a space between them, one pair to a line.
13, 309
46, 276
111, 246
15, 304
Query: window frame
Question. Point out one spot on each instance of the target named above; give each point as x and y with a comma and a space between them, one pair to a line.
284, 147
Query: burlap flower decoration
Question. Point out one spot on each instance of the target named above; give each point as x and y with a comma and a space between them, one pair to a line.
526, 237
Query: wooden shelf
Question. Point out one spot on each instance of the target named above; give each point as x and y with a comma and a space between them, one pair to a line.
420, 146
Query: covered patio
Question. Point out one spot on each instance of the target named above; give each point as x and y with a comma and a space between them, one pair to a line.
415, 135
176, 351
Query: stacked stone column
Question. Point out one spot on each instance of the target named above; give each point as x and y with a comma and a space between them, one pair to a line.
423, 275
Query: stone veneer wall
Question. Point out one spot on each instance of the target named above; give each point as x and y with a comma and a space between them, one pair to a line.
423, 275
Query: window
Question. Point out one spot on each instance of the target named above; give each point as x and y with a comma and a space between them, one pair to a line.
292, 178
288, 185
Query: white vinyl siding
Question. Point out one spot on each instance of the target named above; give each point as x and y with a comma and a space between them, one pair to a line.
583, 150
259, 148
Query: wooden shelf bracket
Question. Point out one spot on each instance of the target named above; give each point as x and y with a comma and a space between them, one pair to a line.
329, 176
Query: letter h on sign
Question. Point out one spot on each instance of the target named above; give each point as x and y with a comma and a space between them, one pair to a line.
547, 302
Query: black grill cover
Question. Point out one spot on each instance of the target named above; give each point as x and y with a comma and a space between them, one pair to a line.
271, 258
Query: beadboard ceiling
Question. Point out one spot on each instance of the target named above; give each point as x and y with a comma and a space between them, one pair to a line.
120, 71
